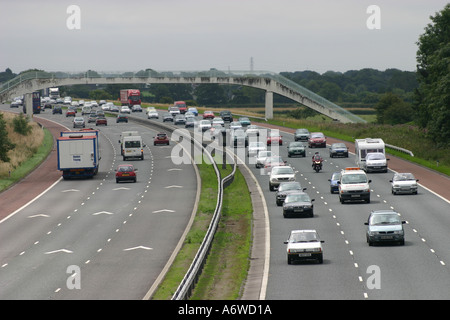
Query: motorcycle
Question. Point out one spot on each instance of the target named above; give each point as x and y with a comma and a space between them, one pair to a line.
317, 165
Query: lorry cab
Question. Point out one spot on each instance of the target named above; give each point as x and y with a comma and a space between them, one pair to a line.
132, 147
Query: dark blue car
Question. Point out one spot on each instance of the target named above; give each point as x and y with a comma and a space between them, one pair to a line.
334, 187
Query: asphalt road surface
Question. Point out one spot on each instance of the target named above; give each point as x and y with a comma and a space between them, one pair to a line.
94, 238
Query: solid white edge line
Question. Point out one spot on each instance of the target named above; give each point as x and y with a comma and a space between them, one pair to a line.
31, 201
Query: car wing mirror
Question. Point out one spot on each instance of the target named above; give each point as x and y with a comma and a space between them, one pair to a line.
370, 181
366, 223
286, 242
403, 222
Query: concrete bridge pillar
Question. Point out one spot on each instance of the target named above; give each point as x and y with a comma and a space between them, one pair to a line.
269, 105
28, 100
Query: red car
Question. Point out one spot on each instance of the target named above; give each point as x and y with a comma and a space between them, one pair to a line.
125, 172
101, 120
161, 138
208, 115
274, 138
317, 139
71, 113
271, 162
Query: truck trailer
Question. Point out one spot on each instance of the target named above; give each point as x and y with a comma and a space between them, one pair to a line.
130, 97
78, 155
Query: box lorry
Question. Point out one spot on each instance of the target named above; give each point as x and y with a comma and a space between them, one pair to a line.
130, 97
78, 154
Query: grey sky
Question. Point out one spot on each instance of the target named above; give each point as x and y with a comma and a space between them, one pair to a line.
280, 35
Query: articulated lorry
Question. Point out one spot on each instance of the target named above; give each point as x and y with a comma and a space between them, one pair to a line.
78, 153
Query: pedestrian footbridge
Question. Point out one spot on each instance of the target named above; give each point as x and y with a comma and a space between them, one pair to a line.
271, 82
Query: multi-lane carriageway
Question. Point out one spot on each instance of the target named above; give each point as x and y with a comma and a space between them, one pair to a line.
92, 228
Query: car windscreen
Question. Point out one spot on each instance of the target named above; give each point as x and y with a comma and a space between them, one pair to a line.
354, 178
383, 219
283, 170
133, 144
303, 237
289, 186
375, 156
297, 198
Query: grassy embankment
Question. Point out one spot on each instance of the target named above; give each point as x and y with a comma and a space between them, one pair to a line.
29, 152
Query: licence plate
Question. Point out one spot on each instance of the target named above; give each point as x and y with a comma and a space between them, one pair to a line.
125, 174
304, 254
387, 237
298, 210
355, 195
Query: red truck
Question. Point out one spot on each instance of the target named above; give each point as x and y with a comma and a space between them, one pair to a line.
130, 97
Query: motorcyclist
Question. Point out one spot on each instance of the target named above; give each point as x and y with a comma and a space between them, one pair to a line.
317, 157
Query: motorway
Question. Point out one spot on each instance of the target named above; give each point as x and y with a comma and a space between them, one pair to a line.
93, 238
351, 269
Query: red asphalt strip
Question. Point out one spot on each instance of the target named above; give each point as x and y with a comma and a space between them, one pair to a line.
47, 173
37, 181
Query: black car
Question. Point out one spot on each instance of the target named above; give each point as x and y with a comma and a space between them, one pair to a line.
226, 115
338, 150
298, 204
296, 149
57, 109
286, 188
121, 117
301, 135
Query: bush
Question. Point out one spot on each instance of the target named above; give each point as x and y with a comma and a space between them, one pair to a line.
21, 125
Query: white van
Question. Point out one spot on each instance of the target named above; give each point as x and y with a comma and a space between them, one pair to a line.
354, 185
133, 147
126, 134
86, 110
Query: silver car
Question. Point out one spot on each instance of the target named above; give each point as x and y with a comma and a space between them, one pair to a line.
384, 226
78, 122
403, 183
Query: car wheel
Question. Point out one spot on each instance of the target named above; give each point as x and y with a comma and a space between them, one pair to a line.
320, 259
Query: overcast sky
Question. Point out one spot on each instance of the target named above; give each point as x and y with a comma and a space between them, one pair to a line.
190, 35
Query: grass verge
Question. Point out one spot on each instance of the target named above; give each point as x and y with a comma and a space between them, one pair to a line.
31, 163
227, 264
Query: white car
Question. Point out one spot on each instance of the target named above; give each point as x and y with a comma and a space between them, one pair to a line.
404, 183
204, 125
261, 158
252, 130
255, 147
125, 109
375, 162
304, 245
218, 121
235, 125
280, 174
152, 114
